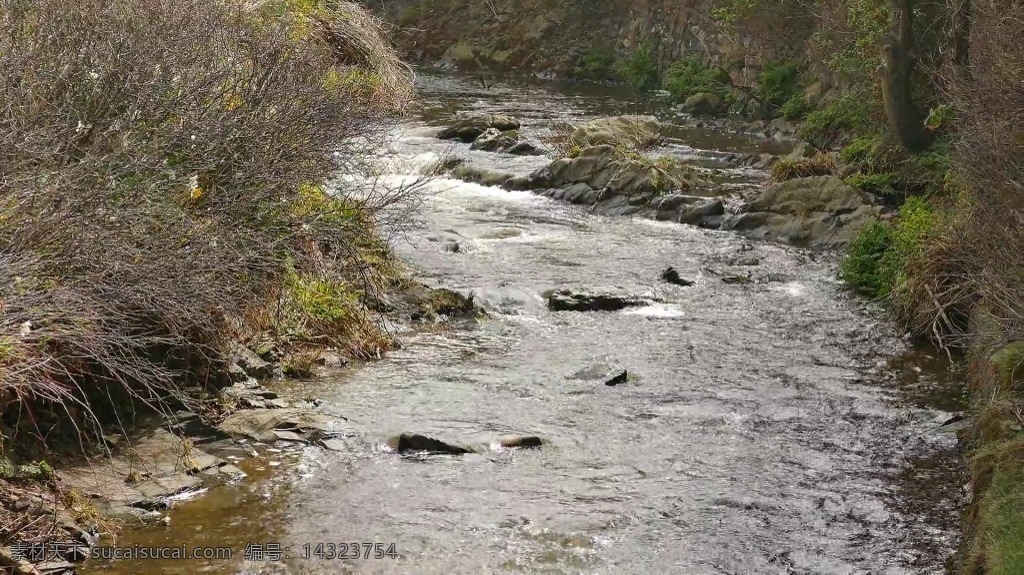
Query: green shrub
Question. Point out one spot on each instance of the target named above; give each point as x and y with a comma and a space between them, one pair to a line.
861, 267
796, 107
597, 64
844, 115
881, 184
693, 75
879, 166
639, 69
940, 118
876, 261
778, 83
1002, 518
872, 154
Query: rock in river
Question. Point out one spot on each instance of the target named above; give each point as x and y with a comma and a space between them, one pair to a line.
704, 104
469, 129
494, 141
404, 442
520, 441
572, 300
672, 276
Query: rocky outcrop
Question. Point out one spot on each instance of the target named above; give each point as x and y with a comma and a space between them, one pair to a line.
607, 179
635, 132
469, 129
817, 212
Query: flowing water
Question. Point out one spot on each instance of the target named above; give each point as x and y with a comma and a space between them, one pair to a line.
769, 428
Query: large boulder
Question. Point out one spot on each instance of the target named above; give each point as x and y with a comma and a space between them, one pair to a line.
635, 132
817, 212
469, 129
704, 104
617, 174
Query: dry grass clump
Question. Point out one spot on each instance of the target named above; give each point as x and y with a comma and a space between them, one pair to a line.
162, 164
560, 141
792, 168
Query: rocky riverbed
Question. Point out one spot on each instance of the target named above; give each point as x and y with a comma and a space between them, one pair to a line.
651, 391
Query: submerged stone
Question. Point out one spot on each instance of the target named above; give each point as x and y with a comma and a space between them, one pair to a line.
672, 276
608, 374
570, 300
525, 441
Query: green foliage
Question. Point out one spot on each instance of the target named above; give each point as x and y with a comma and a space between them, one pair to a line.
323, 300
844, 115
597, 64
882, 167
851, 46
693, 75
39, 471
1001, 513
861, 267
940, 118
639, 69
872, 154
730, 12
778, 83
876, 261
880, 184
796, 107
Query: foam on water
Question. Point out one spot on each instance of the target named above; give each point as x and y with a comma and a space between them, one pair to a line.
657, 310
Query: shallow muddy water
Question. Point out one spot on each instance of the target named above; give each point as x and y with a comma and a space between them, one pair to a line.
769, 428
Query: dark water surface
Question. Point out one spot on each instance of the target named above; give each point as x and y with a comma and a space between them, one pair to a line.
769, 430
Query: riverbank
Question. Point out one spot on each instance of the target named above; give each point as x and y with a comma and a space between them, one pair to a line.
173, 232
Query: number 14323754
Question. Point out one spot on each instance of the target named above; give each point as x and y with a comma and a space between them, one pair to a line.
361, 550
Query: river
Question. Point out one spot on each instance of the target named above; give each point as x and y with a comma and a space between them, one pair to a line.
777, 426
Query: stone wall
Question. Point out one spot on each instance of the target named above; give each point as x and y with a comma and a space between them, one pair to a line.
549, 38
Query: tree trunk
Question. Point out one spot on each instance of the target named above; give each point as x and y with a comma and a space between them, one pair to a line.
905, 119
960, 34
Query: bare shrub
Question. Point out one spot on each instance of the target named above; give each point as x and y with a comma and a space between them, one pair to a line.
977, 259
157, 159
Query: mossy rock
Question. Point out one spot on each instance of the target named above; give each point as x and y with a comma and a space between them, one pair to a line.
704, 104
1009, 365
451, 303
